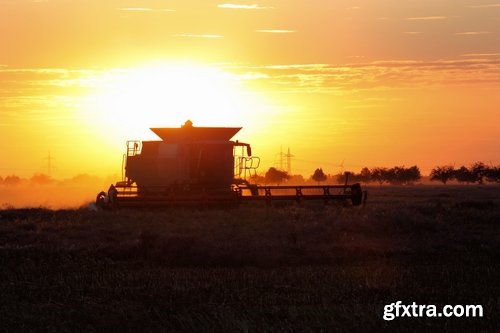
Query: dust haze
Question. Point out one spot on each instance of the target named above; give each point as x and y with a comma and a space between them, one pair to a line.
43, 191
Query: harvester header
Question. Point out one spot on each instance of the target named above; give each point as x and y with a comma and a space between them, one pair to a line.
202, 166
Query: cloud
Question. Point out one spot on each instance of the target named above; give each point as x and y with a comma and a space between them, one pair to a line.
353, 8
473, 33
376, 75
209, 36
26, 90
486, 5
481, 55
236, 6
276, 31
426, 18
412, 32
145, 9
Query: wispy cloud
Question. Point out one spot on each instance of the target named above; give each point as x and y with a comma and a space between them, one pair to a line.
426, 18
473, 33
237, 6
51, 88
481, 55
412, 32
145, 9
276, 31
213, 36
486, 5
376, 75
353, 8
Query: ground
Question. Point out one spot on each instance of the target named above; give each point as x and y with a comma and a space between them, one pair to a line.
255, 268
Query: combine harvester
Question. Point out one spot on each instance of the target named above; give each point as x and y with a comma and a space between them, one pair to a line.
201, 166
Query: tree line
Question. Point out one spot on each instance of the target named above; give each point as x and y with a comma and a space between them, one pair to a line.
399, 175
476, 173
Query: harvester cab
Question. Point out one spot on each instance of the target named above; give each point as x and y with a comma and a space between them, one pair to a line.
201, 165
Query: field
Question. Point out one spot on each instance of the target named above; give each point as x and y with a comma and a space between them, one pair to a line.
305, 268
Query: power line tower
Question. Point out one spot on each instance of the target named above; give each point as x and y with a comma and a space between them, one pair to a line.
286, 157
289, 161
50, 167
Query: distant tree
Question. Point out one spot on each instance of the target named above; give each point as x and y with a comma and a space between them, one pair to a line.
400, 175
379, 175
365, 175
338, 178
319, 176
296, 179
40, 178
442, 173
393, 175
12, 180
493, 174
479, 171
274, 175
463, 175
411, 175
341, 178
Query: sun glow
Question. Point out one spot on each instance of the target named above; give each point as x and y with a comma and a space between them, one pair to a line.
130, 101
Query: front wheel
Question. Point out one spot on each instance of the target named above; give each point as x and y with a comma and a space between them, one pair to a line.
101, 200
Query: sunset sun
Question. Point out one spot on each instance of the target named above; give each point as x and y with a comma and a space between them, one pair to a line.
130, 101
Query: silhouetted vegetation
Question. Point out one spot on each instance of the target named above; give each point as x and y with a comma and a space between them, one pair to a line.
398, 175
318, 175
12, 180
442, 173
477, 173
493, 174
275, 176
40, 178
463, 175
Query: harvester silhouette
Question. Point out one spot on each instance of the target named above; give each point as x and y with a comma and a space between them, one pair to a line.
201, 166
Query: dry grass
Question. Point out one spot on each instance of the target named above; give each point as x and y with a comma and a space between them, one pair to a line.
287, 268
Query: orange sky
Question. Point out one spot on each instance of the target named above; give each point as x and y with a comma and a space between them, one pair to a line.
357, 83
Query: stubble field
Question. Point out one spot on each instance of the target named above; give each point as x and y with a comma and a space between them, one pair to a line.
286, 268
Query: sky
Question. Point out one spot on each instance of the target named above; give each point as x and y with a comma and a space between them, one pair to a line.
343, 84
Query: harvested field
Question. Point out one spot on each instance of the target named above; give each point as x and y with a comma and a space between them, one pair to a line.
255, 268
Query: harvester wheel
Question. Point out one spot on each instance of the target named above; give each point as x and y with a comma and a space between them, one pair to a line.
356, 194
101, 200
